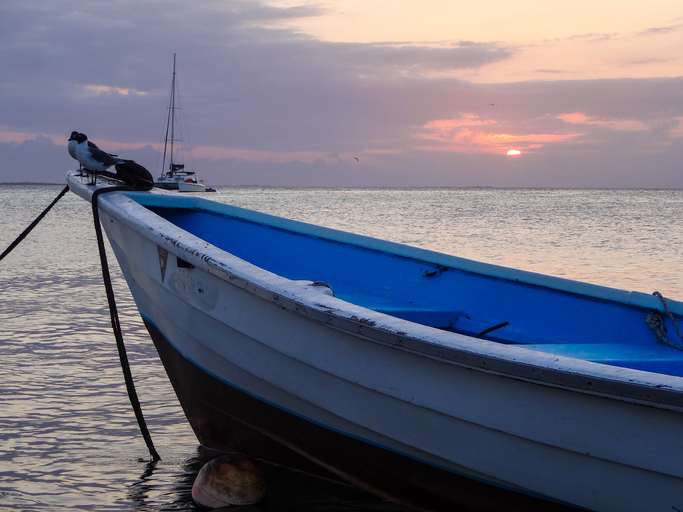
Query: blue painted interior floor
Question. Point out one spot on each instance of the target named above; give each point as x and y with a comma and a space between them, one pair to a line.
444, 297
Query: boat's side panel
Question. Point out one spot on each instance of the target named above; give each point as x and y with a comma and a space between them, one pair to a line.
574, 447
226, 417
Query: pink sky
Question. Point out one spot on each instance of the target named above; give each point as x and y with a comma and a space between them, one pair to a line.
424, 93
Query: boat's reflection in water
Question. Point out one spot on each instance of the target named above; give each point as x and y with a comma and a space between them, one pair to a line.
288, 491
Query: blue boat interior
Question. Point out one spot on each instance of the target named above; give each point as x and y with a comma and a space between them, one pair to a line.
442, 296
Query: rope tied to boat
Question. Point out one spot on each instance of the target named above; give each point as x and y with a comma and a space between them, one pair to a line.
129, 172
33, 224
114, 316
656, 322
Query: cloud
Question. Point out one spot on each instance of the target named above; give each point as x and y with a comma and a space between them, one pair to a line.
625, 125
413, 58
552, 71
600, 37
648, 61
593, 37
36, 159
7, 135
260, 12
242, 82
640, 53
469, 133
665, 29
440, 128
98, 89
255, 155
677, 129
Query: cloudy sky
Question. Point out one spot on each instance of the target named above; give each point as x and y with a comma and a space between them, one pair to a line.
424, 93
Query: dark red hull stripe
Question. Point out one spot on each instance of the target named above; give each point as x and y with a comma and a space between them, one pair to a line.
226, 418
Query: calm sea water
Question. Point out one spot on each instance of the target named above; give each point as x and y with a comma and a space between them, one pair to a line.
68, 439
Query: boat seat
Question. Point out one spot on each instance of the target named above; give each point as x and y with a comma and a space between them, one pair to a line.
652, 357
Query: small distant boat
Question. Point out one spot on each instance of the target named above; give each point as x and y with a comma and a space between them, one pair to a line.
191, 186
181, 180
176, 177
431, 380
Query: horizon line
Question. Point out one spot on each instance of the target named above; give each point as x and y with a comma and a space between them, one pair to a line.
390, 187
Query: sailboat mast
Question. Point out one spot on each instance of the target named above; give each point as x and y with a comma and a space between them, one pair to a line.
172, 114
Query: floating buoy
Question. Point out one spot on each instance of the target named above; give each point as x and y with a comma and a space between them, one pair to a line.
228, 480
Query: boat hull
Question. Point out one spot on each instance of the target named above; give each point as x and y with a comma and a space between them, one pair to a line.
191, 187
166, 185
261, 362
227, 418
552, 443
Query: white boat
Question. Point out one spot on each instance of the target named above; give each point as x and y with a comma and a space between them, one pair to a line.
191, 186
176, 177
428, 379
184, 181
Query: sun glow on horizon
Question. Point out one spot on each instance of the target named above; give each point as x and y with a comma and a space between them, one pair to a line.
514, 152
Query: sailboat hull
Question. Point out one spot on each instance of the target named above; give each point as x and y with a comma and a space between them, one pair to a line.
191, 187
166, 185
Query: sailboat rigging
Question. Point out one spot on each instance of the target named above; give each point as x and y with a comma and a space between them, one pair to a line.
176, 177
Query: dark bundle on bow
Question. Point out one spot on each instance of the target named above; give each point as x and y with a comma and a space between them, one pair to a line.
95, 162
133, 174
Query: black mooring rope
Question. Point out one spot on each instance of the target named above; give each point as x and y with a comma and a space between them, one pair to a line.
115, 324
33, 224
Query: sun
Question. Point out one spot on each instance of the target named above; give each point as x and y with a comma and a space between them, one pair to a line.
514, 152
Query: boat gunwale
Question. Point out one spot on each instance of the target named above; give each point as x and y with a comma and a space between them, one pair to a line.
512, 361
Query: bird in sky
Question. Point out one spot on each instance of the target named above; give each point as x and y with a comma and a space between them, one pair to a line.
357, 159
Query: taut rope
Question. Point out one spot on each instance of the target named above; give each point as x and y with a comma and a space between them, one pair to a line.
33, 224
115, 324
113, 312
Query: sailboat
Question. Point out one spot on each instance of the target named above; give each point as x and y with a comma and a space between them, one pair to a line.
176, 177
